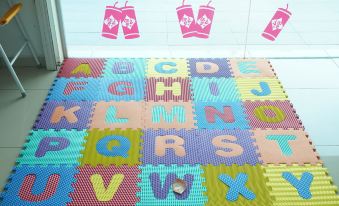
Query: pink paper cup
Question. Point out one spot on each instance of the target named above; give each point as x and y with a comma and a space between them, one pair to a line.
111, 22
276, 24
129, 23
204, 21
186, 20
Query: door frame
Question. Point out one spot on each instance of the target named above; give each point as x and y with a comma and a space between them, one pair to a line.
51, 30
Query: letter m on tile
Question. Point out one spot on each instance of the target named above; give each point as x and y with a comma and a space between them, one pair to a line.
161, 113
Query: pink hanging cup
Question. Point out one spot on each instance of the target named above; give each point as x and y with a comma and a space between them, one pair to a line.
204, 21
111, 22
186, 20
276, 24
129, 22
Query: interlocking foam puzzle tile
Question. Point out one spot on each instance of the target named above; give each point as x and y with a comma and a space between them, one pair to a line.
251, 68
220, 115
260, 89
285, 146
167, 89
135, 126
106, 186
112, 147
36, 185
170, 147
77, 89
121, 89
64, 115
214, 89
226, 147
117, 115
315, 188
217, 189
169, 115
272, 114
167, 68
82, 67
156, 185
52, 147
209, 67
125, 68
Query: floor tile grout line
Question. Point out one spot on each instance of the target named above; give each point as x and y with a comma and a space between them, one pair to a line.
10, 147
25, 89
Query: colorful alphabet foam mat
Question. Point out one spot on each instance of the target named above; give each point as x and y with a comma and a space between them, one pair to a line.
122, 131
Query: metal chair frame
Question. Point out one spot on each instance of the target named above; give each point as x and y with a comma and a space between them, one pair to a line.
9, 63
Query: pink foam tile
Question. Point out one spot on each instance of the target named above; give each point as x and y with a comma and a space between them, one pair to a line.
82, 67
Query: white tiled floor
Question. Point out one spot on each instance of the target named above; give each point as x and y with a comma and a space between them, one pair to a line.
306, 74
318, 108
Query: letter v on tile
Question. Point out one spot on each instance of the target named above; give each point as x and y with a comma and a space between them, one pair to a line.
106, 194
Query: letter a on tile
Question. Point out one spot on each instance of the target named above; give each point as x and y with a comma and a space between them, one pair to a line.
106, 194
265, 90
303, 185
161, 192
83, 68
237, 186
26, 190
161, 144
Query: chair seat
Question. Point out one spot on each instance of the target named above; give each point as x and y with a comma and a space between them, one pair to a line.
10, 14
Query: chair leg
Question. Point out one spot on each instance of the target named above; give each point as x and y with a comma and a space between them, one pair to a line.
33, 53
11, 70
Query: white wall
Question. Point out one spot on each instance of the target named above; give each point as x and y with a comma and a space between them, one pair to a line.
312, 31
12, 39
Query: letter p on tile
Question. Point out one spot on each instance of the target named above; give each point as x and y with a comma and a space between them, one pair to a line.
51, 144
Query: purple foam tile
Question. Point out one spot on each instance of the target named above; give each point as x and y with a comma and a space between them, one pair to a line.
155, 152
64, 115
209, 67
226, 147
